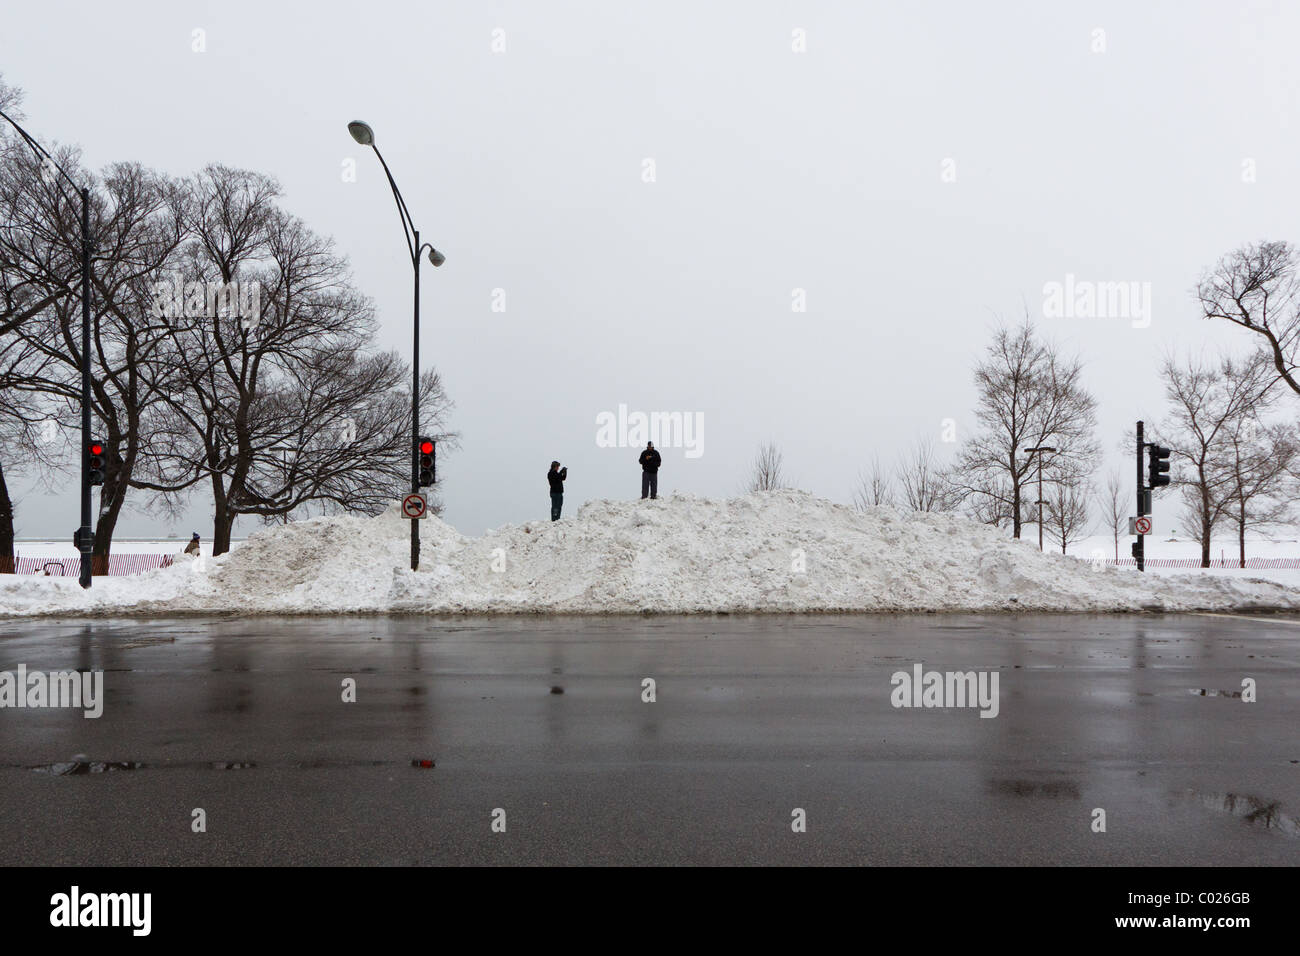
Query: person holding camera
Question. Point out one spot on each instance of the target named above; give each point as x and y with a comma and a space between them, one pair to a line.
650, 462
556, 478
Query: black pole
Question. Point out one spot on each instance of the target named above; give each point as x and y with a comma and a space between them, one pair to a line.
415, 409
1040, 501
86, 535
365, 137
1139, 549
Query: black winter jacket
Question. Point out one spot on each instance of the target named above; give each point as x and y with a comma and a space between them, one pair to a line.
556, 478
650, 460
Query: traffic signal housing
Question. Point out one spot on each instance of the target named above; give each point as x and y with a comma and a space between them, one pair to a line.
1157, 466
95, 462
427, 449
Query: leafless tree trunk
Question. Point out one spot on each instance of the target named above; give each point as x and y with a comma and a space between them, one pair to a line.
874, 488
768, 471
1029, 396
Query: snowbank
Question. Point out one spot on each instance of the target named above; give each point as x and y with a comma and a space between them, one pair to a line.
777, 551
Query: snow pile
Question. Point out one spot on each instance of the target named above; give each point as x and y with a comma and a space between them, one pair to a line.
775, 551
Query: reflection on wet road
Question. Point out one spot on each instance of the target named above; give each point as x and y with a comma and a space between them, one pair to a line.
658, 740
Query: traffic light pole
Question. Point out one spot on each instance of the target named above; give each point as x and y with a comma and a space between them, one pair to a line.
85, 536
365, 136
1139, 550
415, 411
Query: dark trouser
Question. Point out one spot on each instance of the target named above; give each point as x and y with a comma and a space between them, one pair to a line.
650, 484
557, 502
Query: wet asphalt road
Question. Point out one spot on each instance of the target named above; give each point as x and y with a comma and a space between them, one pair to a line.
754, 717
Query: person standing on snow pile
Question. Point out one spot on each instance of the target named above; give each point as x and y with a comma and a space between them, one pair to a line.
193, 546
649, 471
556, 477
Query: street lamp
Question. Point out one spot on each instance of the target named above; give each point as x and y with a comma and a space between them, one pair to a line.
1041, 450
84, 537
365, 136
362, 133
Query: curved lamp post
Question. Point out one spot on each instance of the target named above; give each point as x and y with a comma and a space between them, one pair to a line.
365, 136
84, 537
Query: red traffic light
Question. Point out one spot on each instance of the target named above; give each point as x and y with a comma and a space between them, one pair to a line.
95, 463
426, 447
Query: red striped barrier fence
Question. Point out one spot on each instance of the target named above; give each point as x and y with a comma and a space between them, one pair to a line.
1258, 564
118, 565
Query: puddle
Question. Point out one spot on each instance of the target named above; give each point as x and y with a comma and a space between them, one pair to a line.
145, 642
1054, 789
72, 768
1265, 814
78, 765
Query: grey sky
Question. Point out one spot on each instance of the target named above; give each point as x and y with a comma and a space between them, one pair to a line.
775, 170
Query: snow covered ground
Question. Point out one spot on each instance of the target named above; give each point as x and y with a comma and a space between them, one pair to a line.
778, 551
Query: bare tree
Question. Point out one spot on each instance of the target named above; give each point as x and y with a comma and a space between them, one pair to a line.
1067, 517
768, 471
1258, 288
921, 481
1113, 509
287, 406
1258, 461
1209, 401
1029, 395
874, 489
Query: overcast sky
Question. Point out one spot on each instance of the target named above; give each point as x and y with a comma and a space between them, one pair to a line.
918, 170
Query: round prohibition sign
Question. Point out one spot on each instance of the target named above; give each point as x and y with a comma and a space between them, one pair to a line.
1143, 525
413, 506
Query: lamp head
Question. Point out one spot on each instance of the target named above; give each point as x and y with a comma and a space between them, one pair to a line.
362, 133
436, 257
